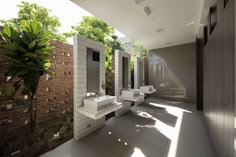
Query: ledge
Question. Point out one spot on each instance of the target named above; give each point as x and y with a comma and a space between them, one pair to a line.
149, 92
99, 114
134, 99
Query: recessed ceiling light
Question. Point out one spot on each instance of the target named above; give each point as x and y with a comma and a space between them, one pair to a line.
160, 30
190, 23
168, 43
147, 10
139, 1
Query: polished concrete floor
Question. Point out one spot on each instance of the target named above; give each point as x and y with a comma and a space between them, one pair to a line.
156, 128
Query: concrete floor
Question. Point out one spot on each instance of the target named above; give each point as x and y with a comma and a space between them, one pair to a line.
157, 128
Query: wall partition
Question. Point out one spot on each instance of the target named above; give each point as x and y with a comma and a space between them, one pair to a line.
219, 79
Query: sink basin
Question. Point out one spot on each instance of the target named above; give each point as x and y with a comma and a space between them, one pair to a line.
130, 92
145, 89
95, 104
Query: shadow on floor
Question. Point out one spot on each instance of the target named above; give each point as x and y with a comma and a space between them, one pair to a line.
156, 128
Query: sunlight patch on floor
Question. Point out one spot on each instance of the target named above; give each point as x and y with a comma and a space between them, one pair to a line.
159, 125
171, 133
137, 153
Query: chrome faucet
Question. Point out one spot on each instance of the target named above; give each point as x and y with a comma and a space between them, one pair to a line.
96, 94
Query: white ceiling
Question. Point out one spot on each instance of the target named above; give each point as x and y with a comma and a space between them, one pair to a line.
179, 18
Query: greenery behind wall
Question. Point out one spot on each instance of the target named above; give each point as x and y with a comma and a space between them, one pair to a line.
90, 27
97, 30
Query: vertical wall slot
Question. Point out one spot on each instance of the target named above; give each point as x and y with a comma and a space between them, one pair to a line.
125, 73
213, 18
225, 3
205, 31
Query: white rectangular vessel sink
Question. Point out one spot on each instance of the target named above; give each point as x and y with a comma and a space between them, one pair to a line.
95, 104
130, 93
145, 89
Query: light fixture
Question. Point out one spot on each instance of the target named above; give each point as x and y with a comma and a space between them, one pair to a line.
139, 1
147, 10
201, 25
168, 43
190, 23
160, 30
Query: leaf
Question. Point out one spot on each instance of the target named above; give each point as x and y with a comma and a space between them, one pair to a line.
42, 42
7, 30
13, 46
10, 90
47, 65
32, 44
17, 86
24, 24
7, 53
35, 26
31, 56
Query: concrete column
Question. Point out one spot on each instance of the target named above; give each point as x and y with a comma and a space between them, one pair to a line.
84, 125
118, 79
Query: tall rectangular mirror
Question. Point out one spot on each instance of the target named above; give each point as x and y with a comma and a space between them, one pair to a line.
125, 74
93, 71
141, 73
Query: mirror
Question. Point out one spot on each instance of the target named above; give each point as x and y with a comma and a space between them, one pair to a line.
93, 71
125, 74
141, 74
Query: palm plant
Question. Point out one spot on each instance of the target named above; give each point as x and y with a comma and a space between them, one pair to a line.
27, 50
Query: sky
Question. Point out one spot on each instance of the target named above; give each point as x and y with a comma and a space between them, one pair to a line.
68, 13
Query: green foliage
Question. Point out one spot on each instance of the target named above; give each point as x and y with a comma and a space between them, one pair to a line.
9, 91
32, 145
92, 28
115, 44
33, 12
132, 63
97, 30
138, 50
109, 58
27, 51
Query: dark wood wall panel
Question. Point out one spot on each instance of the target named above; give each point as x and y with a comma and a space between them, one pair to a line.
219, 80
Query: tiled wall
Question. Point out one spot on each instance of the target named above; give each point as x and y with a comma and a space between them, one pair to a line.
118, 80
82, 124
54, 97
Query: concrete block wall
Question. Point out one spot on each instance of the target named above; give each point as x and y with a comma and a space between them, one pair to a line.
118, 80
84, 125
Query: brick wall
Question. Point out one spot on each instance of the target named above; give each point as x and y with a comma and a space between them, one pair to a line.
55, 94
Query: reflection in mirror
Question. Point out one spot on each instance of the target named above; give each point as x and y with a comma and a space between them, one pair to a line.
93, 71
141, 74
125, 74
